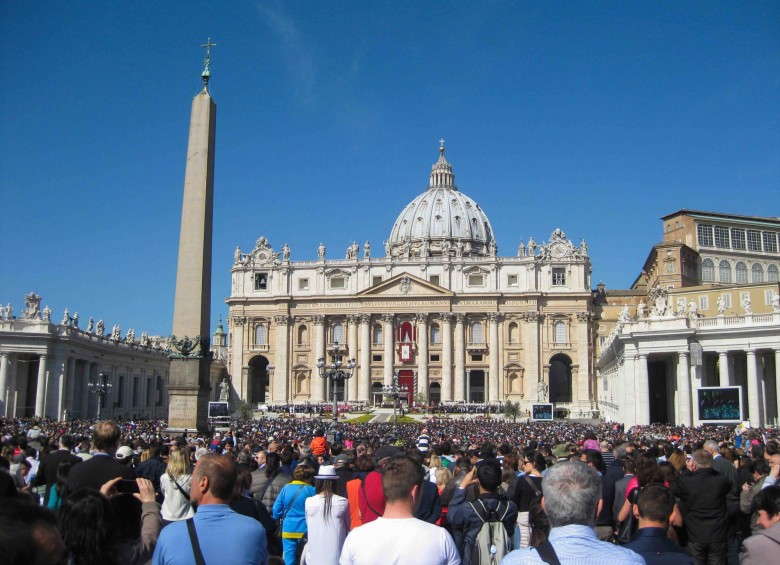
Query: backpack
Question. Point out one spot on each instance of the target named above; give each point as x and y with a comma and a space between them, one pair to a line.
493, 541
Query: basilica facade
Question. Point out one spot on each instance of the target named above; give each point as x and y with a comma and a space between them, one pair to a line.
438, 309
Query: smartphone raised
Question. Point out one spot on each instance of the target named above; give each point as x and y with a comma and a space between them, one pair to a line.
127, 486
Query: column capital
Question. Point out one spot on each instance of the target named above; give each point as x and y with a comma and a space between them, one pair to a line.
365, 318
388, 318
353, 318
446, 317
282, 319
318, 319
494, 317
460, 318
421, 317
239, 320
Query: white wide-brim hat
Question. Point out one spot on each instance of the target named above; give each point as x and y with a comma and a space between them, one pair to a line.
327, 473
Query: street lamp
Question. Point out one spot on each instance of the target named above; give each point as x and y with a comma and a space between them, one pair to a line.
395, 391
335, 374
100, 388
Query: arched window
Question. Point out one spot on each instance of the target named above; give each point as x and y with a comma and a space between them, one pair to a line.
771, 273
559, 333
338, 332
561, 384
376, 335
724, 269
261, 335
435, 334
514, 333
303, 335
758, 273
741, 273
477, 333
708, 270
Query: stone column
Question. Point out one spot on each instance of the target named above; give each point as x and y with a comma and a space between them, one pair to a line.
4, 360
70, 384
460, 359
446, 356
533, 355
754, 391
723, 368
237, 345
40, 391
491, 388
352, 338
582, 383
364, 388
422, 358
629, 397
281, 355
319, 353
642, 390
777, 380
683, 389
389, 355
84, 391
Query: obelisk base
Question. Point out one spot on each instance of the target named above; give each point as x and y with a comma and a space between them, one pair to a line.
188, 401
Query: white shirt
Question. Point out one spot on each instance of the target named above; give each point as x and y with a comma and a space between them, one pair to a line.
326, 537
399, 542
175, 506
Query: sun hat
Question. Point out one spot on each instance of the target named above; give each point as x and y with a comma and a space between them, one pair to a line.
326, 473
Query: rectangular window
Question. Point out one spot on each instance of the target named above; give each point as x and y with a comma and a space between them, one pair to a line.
435, 358
120, 396
148, 392
726, 300
376, 335
476, 280
375, 280
768, 295
435, 335
704, 303
754, 240
705, 235
511, 280
261, 281
377, 358
559, 276
770, 241
559, 333
722, 237
303, 284
476, 357
435, 280
737, 238
337, 283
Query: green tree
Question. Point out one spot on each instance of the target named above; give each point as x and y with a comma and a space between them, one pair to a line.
512, 410
244, 410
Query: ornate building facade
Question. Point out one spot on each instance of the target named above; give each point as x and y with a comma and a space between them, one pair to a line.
704, 312
439, 307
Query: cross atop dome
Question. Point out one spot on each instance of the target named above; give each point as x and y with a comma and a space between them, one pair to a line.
441, 172
441, 146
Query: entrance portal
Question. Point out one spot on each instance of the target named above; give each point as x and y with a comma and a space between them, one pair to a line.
476, 386
658, 391
406, 377
434, 393
258, 379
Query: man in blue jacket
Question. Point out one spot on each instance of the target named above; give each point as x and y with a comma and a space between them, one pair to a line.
653, 508
462, 515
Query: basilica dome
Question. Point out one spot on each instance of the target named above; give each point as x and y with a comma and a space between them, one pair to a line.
442, 221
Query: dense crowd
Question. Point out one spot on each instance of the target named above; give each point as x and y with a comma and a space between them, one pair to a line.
288, 490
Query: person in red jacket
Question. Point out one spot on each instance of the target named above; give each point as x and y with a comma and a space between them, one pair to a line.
319, 445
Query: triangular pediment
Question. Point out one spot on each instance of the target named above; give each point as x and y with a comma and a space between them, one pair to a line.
405, 284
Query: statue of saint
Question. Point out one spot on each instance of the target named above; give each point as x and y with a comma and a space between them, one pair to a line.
721, 305
65, 318
321, 251
101, 328
76, 320
531, 246
224, 390
47, 314
641, 310
366, 250
746, 305
90, 325
286, 252
237, 254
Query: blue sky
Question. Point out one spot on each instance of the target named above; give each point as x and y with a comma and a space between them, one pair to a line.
595, 117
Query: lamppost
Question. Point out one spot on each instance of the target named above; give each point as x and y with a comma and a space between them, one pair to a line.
335, 374
395, 391
100, 387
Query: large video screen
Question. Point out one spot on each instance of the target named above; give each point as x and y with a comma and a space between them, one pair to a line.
218, 410
541, 411
718, 404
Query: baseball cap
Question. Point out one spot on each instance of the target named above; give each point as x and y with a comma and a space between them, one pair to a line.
123, 453
386, 451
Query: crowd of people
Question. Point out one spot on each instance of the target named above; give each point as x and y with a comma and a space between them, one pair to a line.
449, 490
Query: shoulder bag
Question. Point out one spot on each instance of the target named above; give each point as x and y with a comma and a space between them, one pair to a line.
280, 526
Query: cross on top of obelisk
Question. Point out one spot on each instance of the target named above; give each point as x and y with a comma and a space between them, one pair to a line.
206, 74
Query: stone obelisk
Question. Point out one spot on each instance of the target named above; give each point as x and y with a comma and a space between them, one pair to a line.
188, 384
